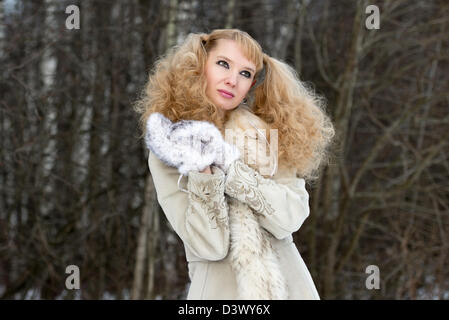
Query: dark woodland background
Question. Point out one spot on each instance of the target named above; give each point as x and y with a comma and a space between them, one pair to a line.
74, 182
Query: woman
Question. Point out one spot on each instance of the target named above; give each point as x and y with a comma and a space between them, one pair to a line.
236, 222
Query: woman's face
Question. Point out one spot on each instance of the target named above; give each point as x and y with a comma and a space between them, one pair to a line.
229, 75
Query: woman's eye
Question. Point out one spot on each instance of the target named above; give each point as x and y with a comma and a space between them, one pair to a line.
223, 63
246, 74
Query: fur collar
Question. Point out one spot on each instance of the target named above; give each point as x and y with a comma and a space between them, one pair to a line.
252, 256
254, 149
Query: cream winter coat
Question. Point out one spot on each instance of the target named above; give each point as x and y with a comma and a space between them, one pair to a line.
205, 220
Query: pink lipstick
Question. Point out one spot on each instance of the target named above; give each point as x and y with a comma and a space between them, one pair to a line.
226, 94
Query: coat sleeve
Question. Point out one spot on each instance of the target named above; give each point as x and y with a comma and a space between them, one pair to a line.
199, 217
281, 205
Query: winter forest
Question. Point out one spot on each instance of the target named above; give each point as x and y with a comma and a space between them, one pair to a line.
75, 188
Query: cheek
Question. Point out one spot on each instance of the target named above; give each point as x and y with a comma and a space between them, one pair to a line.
211, 76
245, 89
208, 71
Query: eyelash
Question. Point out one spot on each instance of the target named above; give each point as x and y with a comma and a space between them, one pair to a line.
249, 73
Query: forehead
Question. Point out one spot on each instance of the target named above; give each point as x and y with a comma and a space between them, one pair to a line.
231, 50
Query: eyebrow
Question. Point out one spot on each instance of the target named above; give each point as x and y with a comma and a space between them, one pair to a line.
229, 60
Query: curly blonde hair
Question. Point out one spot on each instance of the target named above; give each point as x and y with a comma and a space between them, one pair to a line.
177, 88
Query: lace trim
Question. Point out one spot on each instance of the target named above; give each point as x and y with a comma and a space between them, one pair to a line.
242, 183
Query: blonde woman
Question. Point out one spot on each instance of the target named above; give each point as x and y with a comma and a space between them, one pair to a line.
234, 207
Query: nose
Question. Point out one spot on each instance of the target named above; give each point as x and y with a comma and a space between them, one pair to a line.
231, 80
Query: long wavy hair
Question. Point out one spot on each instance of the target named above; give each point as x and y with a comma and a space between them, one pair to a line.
177, 88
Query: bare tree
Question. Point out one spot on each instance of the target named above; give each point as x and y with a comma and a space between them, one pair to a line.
74, 181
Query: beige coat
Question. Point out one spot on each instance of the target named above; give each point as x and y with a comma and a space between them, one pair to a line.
201, 219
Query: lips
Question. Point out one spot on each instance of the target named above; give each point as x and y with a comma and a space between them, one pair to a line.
226, 94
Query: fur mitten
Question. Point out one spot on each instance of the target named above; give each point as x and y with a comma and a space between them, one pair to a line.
188, 144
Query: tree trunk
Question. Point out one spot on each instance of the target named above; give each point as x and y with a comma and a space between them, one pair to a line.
342, 116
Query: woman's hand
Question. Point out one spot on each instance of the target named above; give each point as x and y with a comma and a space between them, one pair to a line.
188, 145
